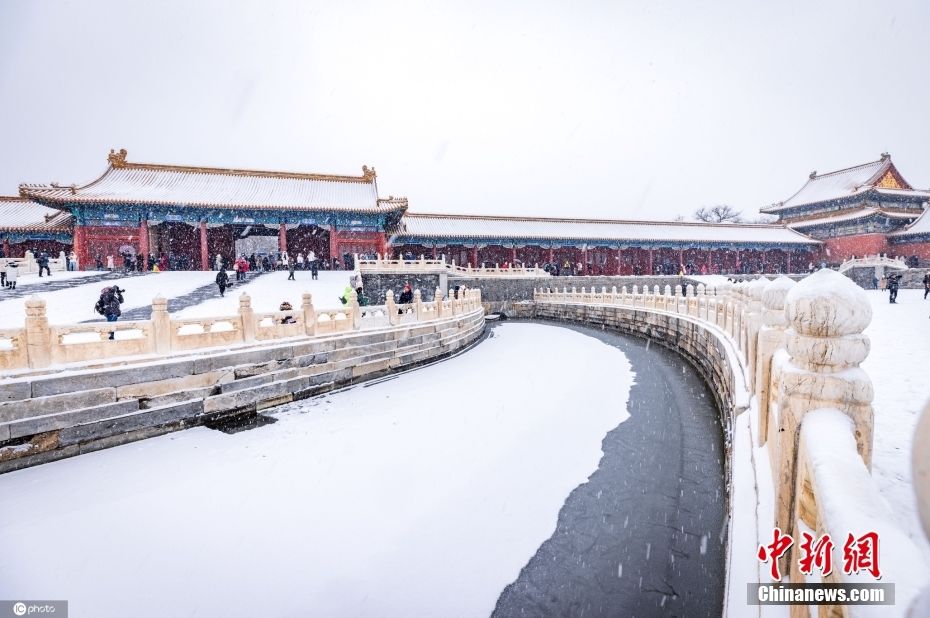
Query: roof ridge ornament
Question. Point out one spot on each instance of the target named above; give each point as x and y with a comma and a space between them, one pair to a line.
368, 173
885, 155
813, 175
117, 159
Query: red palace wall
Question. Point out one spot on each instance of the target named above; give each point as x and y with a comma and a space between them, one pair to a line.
920, 249
839, 249
103, 241
341, 242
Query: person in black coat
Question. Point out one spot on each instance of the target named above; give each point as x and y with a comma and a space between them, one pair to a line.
893, 283
108, 304
926, 285
222, 282
406, 297
43, 264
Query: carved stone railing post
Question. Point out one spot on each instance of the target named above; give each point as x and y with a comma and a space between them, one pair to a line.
418, 304
161, 325
753, 324
826, 315
38, 336
247, 317
354, 310
391, 307
438, 299
771, 338
306, 305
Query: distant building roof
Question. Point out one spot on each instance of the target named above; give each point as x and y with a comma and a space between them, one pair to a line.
466, 226
880, 175
145, 183
21, 215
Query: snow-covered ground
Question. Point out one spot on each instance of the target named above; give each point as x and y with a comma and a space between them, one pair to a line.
29, 279
76, 304
900, 336
269, 291
420, 495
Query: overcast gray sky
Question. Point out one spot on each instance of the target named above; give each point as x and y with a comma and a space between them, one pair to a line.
644, 109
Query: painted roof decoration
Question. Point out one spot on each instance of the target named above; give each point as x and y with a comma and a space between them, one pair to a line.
881, 176
124, 182
19, 214
465, 226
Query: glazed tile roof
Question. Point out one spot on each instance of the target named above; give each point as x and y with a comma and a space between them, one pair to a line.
845, 183
859, 213
18, 214
463, 226
142, 183
920, 226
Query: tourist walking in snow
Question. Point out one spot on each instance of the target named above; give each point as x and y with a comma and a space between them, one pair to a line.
314, 269
108, 304
12, 273
218, 262
3, 269
300, 261
893, 281
72, 261
290, 270
110, 263
311, 258
926, 285
43, 264
222, 282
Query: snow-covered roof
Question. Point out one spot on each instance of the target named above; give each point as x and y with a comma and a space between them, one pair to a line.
466, 226
920, 226
852, 215
848, 182
19, 214
144, 183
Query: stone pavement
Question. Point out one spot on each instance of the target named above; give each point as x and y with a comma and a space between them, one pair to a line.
645, 535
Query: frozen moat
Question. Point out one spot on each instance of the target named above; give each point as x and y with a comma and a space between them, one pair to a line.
437, 492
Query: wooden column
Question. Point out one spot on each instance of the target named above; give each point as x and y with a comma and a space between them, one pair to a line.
79, 246
551, 255
584, 260
144, 240
282, 238
651, 267
788, 265
474, 256
204, 252
333, 245
6, 241
681, 260
513, 256
737, 261
434, 251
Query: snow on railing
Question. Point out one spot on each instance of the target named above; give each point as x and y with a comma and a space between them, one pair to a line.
802, 344
29, 265
386, 264
873, 260
38, 345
